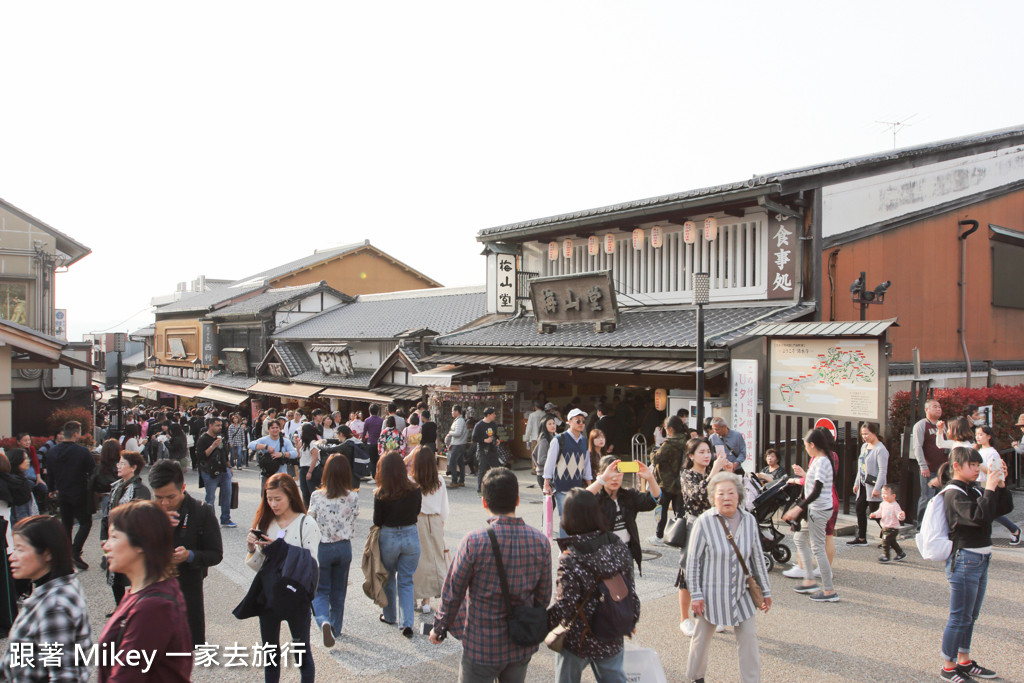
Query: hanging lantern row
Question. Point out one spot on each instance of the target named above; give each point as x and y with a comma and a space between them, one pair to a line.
594, 242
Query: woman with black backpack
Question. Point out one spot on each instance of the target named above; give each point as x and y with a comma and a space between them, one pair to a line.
595, 568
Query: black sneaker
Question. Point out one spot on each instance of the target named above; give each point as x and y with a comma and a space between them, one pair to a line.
955, 675
975, 670
857, 541
901, 557
80, 563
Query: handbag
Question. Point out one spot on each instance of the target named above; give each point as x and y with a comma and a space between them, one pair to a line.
752, 585
677, 533
556, 637
234, 495
527, 625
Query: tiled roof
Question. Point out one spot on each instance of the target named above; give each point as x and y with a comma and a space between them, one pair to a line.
268, 300
643, 328
1006, 136
360, 380
862, 328
296, 360
304, 262
205, 301
147, 331
383, 316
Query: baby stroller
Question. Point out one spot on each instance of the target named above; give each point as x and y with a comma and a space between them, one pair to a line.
775, 497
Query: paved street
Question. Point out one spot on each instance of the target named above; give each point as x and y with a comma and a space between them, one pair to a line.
886, 628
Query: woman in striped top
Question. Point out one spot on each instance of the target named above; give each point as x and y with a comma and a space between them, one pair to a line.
717, 581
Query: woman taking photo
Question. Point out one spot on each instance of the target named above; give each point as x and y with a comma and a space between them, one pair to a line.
991, 462
335, 507
549, 430
620, 506
309, 458
396, 508
872, 468
591, 554
128, 487
281, 514
55, 612
432, 569
720, 594
697, 472
817, 505
141, 546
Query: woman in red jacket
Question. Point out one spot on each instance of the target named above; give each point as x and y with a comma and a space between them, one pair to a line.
151, 617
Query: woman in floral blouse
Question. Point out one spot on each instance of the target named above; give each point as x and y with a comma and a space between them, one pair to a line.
390, 438
697, 472
335, 508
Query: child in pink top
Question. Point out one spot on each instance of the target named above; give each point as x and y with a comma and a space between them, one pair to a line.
889, 515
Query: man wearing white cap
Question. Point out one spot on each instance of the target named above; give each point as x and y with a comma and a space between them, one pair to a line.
568, 464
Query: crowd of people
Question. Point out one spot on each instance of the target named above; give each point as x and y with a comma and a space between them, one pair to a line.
496, 593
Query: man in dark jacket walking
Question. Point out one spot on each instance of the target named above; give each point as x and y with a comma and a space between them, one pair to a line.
668, 465
197, 541
69, 467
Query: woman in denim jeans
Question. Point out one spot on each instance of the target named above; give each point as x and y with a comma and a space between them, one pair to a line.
969, 514
335, 507
396, 508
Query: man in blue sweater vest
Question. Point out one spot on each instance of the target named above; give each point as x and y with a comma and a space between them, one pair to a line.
568, 464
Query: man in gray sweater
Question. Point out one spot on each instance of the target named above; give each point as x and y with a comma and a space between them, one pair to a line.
456, 440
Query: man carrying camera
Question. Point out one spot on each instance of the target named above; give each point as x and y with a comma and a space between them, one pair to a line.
215, 468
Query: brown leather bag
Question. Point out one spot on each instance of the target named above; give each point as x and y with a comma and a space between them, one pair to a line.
752, 585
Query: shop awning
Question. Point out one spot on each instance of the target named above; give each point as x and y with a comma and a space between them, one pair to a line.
441, 376
175, 389
127, 391
293, 390
400, 392
582, 363
354, 395
218, 395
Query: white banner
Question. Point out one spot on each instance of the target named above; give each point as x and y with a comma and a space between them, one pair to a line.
743, 375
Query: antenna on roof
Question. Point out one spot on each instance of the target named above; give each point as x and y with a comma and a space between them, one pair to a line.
895, 127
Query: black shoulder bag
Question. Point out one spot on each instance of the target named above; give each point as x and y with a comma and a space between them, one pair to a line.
527, 625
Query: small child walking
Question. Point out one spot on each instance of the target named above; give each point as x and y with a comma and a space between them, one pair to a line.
889, 515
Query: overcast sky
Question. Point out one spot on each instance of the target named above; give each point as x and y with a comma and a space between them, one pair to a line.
223, 138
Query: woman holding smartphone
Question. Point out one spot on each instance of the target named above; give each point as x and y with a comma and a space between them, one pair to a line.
620, 506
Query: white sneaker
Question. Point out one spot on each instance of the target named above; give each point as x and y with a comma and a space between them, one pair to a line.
654, 540
794, 572
817, 573
688, 626
425, 609
719, 629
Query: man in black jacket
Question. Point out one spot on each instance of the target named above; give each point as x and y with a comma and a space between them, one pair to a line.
69, 467
197, 541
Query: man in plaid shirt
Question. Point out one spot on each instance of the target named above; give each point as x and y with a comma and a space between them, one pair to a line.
488, 654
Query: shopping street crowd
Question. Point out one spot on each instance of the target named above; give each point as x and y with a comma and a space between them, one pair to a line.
496, 593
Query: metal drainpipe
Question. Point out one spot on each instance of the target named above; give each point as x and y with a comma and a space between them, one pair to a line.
963, 292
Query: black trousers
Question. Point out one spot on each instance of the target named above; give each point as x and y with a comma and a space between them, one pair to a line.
192, 588
69, 513
676, 499
270, 633
118, 585
889, 541
864, 506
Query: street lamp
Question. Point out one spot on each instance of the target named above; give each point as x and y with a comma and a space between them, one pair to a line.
701, 297
120, 340
863, 296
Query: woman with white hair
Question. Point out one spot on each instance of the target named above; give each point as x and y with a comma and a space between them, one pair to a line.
725, 549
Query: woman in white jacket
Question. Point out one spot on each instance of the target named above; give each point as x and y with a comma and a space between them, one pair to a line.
281, 514
432, 569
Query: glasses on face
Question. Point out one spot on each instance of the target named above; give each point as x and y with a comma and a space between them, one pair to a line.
578, 420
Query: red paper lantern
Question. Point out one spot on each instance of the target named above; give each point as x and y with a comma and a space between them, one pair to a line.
553, 251
656, 237
710, 228
660, 399
567, 248
638, 239
609, 243
593, 245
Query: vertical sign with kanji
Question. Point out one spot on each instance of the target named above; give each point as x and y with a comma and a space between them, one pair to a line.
744, 404
506, 283
783, 248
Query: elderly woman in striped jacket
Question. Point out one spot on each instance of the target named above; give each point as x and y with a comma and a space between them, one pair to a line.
716, 578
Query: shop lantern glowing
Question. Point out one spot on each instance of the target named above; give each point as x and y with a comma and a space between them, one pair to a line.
609, 243
553, 251
689, 232
638, 239
660, 399
656, 237
593, 245
567, 248
710, 228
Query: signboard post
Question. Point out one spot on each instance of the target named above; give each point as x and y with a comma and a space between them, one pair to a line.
505, 282
743, 374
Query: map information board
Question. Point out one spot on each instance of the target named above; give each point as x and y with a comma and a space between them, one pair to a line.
837, 377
